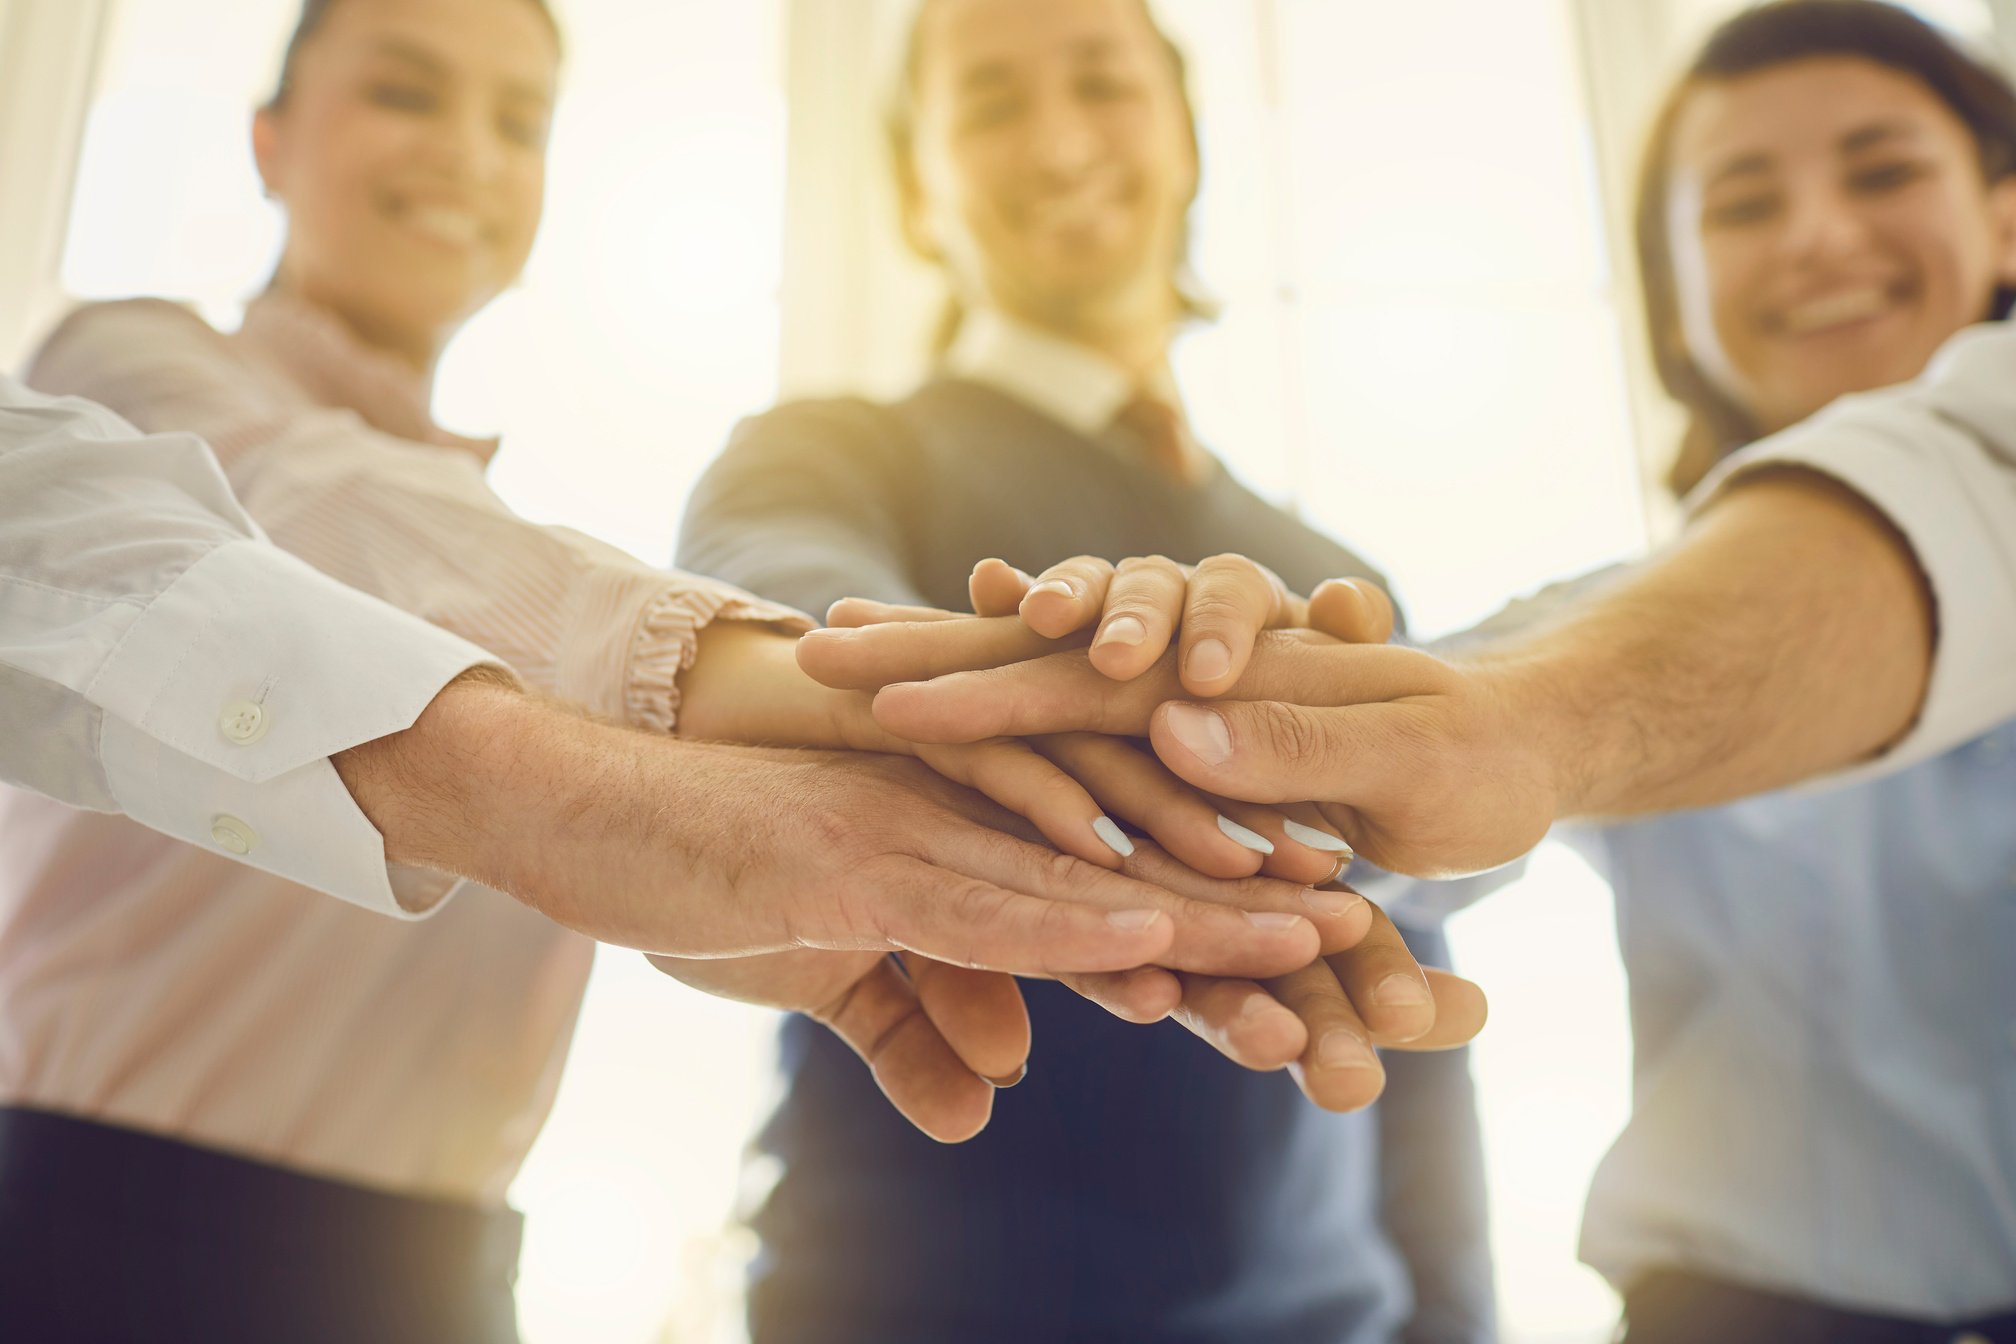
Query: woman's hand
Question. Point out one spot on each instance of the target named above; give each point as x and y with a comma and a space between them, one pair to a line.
1074, 786
1215, 610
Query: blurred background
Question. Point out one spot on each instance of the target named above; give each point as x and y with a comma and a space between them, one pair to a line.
1412, 215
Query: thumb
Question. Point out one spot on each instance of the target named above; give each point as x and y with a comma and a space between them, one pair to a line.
1262, 751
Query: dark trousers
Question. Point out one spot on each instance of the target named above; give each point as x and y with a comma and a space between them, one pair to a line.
110, 1236
1670, 1307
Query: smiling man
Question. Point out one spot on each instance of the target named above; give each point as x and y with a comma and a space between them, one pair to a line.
1135, 1187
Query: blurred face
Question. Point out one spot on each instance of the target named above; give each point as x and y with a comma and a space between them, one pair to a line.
1054, 159
410, 154
1831, 229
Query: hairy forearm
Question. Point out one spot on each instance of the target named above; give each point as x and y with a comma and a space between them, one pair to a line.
1788, 633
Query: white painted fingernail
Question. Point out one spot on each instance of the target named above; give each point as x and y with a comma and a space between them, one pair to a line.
1133, 919
1315, 839
1272, 919
1115, 838
1202, 732
1239, 835
1210, 659
1343, 1049
1057, 586
1123, 630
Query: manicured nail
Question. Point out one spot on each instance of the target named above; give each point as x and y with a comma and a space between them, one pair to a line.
1315, 839
1115, 838
1057, 586
1210, 659
1272, 919
1133, 919
1202, 732
1009, 1080
1239, 835
1332, 904
1401, 990
1126, 630
1343, 1049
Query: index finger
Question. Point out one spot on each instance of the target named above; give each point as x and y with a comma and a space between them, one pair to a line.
871, 657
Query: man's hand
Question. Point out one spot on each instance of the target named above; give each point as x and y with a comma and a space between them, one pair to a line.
1426, 767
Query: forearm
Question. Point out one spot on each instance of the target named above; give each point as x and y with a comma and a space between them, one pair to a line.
1788, 633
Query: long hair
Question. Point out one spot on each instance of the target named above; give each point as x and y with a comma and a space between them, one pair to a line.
900, 129
1773, 34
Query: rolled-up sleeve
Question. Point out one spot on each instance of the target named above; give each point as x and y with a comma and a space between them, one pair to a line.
159, 658
1937, 458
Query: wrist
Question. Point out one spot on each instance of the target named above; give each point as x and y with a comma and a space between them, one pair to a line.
1533, 706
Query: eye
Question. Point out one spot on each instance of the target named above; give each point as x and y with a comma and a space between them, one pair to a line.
1878, 179
1104, 87
402, 97
522, 129
988, 113
1735, 212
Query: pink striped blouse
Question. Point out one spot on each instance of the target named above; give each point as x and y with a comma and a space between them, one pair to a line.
148, 983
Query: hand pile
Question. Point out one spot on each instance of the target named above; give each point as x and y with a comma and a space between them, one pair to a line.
1250, 737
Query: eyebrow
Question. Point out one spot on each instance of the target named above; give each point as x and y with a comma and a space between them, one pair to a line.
1868, 137
991, 74
517, 89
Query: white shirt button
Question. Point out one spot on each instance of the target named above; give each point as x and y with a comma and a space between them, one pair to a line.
233, 836
244, 722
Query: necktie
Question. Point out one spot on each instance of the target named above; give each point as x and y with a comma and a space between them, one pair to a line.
1154, 425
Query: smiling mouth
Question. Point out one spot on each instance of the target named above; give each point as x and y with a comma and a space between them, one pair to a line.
444, 225
1843, 308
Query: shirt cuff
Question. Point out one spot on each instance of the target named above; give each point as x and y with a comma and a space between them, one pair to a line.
671, 609
1952, 503
226, 696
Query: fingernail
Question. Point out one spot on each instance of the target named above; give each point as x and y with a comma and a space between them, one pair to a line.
1315, 839
1342, 1049
1272, 919
1239, 835
1123, 630
1256, 1005
1202, 732
1115, 838
1332, 904
1133, 919
1210, 659
1057, 586
1007, 1081
1401, 990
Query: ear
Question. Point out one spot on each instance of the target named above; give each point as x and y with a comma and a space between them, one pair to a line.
267, 138
2002, 215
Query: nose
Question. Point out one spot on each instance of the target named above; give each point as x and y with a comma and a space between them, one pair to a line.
1822, 224
464, 145
1064, 139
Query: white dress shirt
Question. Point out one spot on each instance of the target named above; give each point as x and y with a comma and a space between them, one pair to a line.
1936, 457
161, 987
159, 658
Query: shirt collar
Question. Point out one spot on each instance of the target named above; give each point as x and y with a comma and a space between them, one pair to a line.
1078, 387
327, 360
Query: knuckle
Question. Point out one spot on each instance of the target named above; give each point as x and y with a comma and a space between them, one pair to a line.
1293, 735
1152, 566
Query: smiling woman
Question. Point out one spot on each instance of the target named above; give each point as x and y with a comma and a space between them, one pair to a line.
408, 146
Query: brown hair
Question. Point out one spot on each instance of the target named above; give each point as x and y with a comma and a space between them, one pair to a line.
1773, 34
314, 13
900, 127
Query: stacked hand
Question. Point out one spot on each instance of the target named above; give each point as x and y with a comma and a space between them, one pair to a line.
1036, 674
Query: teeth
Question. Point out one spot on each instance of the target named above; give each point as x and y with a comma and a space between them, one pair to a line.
457, 228
1835, 310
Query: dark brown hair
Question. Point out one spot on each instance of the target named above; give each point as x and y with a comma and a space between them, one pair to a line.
1773, 34
316, 12
900, 127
